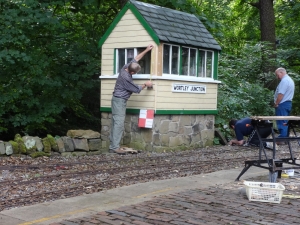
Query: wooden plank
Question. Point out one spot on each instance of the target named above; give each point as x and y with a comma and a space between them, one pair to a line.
275, 117
129, 39
158, 66
185, 106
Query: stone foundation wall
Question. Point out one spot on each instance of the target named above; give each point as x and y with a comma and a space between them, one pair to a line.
169, 132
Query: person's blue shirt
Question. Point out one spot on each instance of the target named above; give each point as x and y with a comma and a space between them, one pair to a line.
243, 128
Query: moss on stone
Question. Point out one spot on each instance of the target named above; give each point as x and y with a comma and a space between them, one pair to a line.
31, 150
22, 148
52, 142
21, 144
39, 154
17, 136
15, 147
47, 145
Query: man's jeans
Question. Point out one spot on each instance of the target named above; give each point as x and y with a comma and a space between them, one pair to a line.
283, 109
118, 108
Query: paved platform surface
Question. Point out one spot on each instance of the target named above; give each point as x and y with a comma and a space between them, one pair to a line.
213, 198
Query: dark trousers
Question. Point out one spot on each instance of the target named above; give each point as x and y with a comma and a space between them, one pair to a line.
264, 133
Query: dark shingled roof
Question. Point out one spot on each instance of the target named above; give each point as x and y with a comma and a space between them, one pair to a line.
175, 26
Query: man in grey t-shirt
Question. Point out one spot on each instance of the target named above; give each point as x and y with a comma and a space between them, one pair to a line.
283, 100
124, 87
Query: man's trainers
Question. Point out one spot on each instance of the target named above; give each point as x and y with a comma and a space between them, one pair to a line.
270, 145
119, 151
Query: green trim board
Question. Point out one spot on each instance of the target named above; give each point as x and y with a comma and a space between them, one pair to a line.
216, 59
144, 23
168, 112
140, 18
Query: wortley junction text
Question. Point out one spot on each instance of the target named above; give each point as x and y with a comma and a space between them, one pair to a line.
197, 89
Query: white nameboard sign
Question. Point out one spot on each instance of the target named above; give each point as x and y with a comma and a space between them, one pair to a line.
191, 88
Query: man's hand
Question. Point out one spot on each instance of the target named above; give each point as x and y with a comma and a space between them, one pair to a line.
149, 83
150, 46
141, 55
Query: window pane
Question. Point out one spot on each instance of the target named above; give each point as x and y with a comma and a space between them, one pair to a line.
185, 61
145, 62
166, 59
192, 62
130, 55
175, 60
121, 59
201, 67
208, 64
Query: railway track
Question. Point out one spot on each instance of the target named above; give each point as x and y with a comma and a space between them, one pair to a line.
27, 181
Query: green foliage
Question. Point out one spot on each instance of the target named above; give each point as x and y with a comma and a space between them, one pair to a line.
48, 61
242, 92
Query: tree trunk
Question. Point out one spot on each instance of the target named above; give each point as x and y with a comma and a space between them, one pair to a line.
267, 27
267, 22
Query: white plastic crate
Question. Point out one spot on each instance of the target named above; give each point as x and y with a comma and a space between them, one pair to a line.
264, 191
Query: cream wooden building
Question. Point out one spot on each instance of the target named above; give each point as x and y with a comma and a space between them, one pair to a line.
183, 66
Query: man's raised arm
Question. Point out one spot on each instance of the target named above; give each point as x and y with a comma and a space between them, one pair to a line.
141, 55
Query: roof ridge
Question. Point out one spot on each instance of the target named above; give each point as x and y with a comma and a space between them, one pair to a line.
160, 7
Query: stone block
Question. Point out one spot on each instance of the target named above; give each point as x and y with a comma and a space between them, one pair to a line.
207, 137
95, 152
29, 141
69, 145
88, 134
127, 139
105, 145
196, 129
75, 153
105, 130
175, 141
106, 122
2, 148
165, 140
80, 144
136, 137
156, 140
147, 135
193, 119
175, 118
128, 119
164, 126
188, 130
185, 120
209, 124
127, 127
135, 127
185, 140
38, 143
174, 127
104, 115
94, 144
8, 148
60, 144
195, 138
67, 154
105, 138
